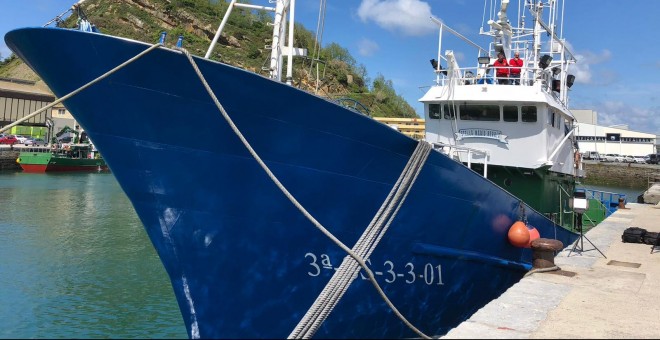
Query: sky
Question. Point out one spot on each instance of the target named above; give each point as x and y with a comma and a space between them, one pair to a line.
615, 43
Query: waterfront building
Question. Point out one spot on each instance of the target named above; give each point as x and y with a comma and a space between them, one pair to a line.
412, 127
616, 139
19, 98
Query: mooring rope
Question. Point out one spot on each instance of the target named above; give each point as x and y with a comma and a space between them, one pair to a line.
423, 146
73, 93
542, 270
349, 269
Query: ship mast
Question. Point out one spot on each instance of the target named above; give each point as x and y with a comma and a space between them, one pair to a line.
557, 44
277, 47
502, 28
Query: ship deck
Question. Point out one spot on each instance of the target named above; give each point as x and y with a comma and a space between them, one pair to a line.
617, 297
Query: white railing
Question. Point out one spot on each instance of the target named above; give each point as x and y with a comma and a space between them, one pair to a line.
455, 151
480, 75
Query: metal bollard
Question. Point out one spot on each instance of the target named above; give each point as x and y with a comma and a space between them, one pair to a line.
622, 205
543, 254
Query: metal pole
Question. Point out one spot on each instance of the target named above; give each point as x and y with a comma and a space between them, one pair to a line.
289, 63
437, 70
276, 51
217, 33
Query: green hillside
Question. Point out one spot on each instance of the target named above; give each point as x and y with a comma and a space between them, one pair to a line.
332, 72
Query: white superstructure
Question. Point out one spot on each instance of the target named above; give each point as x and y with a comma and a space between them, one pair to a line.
526, 125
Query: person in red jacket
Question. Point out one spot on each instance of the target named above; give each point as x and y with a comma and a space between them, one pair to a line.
501, 69
514, 72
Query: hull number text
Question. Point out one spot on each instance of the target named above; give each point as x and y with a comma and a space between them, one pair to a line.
428, 273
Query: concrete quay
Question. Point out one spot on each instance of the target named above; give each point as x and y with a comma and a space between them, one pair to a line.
617, 297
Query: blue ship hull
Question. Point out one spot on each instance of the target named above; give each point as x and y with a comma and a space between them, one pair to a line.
243, 260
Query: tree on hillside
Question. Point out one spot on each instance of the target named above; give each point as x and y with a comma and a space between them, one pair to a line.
336, 52
7, 60
385, 94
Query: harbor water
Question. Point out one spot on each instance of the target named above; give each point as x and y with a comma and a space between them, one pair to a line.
631, 193
75, 261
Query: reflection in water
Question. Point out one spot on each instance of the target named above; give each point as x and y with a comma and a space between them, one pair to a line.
75, 262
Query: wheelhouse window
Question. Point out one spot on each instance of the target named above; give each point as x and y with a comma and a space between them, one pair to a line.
510, 113
528, 114
551, 118
559, 119
434, 111
449, 111
480, 112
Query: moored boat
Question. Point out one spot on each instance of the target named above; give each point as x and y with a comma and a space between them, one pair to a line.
508, 117
296, 216
73, 157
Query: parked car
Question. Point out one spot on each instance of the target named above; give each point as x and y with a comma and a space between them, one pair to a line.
612, 157
38, 142
34, 142
593, 155
21, 139
8, 139
629, 159
639, 159
653, 158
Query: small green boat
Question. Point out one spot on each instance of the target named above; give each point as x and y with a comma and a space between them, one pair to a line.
74, 157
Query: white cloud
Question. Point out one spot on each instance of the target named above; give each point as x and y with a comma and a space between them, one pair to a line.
582, 69
637, 118
409, 17
598, 58
464, 29
636, 104
460, 56
367, 47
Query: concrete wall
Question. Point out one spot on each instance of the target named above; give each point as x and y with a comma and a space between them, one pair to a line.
8, 160
624, 175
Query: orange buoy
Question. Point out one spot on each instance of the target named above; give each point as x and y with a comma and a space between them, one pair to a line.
533, 235
519, 234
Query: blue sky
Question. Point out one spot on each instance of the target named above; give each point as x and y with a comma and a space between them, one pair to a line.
617, 74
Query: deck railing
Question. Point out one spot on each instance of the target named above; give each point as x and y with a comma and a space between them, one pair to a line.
602, 204
486, 75
454, 152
